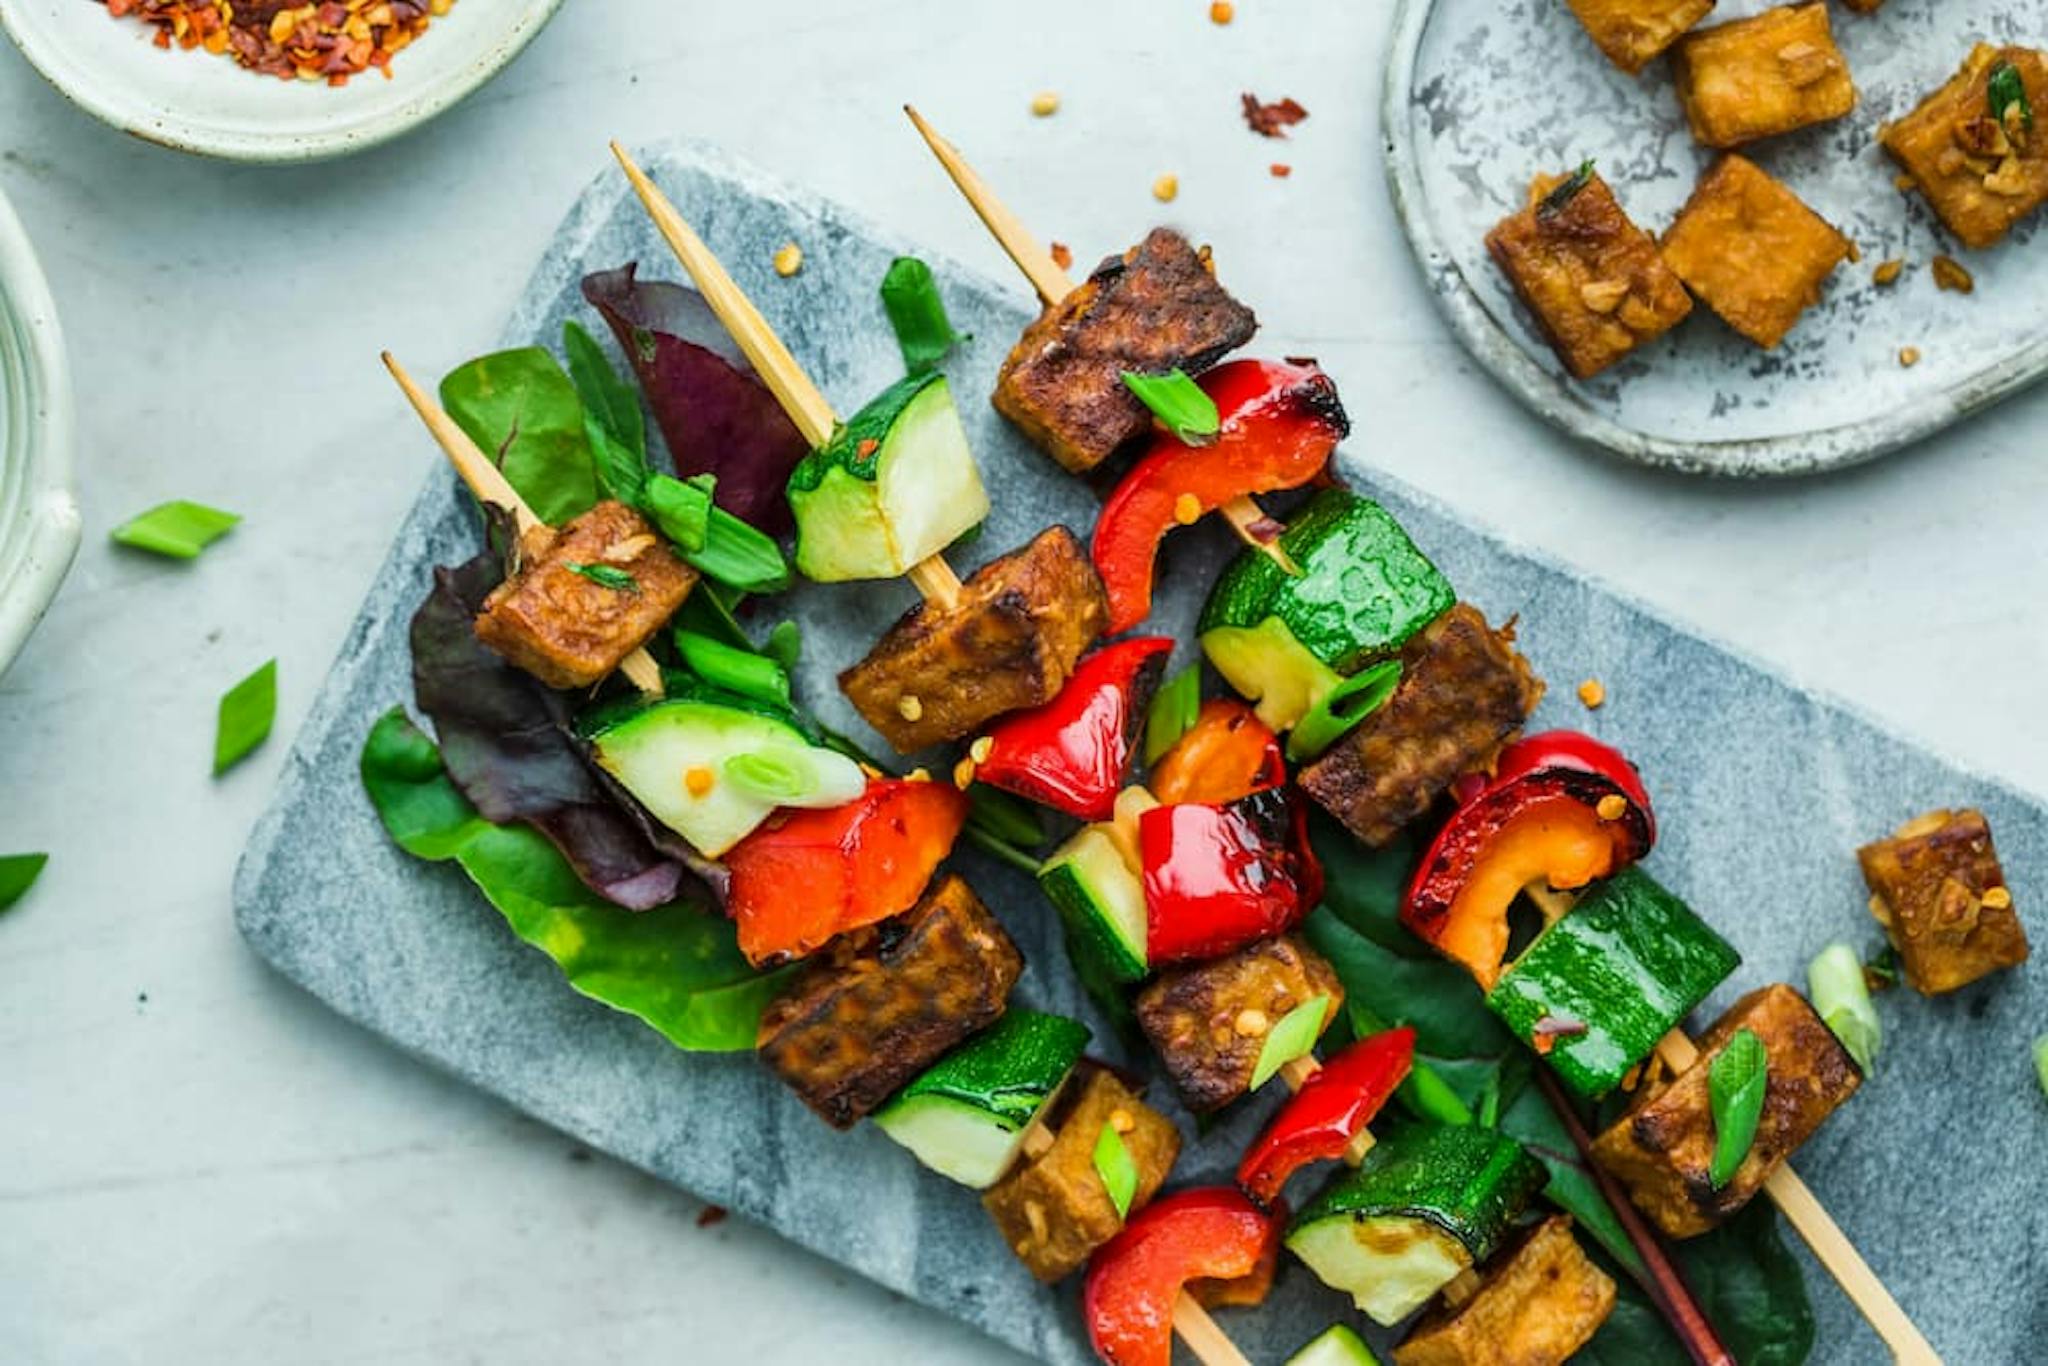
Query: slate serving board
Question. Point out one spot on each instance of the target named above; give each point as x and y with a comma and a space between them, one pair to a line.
1481, 95
1938, 1170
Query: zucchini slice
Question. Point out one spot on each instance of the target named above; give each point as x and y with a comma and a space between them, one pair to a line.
1101, 902
1336, 1345
1426, 1204
965, 1117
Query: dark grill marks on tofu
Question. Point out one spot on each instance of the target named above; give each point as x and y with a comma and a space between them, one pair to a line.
876, 1008
1022, 621
1938, 890
1156, 307
1209, 1021
565, 625
1464, 692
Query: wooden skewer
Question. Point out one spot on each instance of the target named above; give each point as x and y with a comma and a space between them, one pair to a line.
1053, 284
490, 485
778, 369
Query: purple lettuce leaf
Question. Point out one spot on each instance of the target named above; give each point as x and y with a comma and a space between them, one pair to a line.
715, 416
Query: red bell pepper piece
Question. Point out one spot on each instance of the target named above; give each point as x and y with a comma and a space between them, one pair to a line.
1219, 876
805, 876
1228, 753
1329, 1111
1561, 807
1210, 1238
1071, 754
1278, 423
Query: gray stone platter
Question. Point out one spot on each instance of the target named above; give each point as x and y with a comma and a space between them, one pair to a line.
1939, 1170
1481, 95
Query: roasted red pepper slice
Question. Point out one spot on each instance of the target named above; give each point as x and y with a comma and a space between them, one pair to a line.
1279, 422
1071, 754
1561, 807
1212, 1239
1330, 1110
805, 876
1219, 876
1228, 753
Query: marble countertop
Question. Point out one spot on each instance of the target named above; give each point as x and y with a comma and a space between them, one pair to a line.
199, 1163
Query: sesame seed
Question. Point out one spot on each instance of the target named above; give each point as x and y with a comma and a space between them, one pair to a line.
1909, 356
789, 259
1592, 693
981, 749
1222, 12
1045, 104
698, 782
1166, 188
1187, 509
1251, 1023
909, 707
1997, 898
963, 774
1888, 272
1122, 1120
1611, 807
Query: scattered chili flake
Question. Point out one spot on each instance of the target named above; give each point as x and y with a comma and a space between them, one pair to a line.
328, 40
1271, 120
710, 1215
1063, 256
1558, 1027
1888, 272
1281, 170
867, 447
1222, 12
1949, 274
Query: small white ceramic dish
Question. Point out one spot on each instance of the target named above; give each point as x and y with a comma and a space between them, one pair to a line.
199, 103
38, 515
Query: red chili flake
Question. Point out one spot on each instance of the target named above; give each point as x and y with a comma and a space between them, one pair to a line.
326, 40
709, 1215
868, 446
1271, 120
1281, 170
1557, 1027
1062, 256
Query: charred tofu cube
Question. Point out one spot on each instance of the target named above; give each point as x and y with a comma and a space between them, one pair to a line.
586, 595
1209, 1021
1464, 692
1632, 32
1751, 250
1538, 1303
1010, 642
864, 1017
1156, 307
1662, 1147
1053, 1209
1973, 147
1758, 77
1937, 889
1593, 279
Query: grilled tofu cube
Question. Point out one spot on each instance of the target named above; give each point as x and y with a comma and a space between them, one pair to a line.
1210, 1020
1761, 76
1593, 279
1156, 307
1010, 642
1539, 1302
874, 1009
1662, 1147
1751, 250
1939, 892
1632, 32
1464, 692
1053, 1209
1982, 169
558, 618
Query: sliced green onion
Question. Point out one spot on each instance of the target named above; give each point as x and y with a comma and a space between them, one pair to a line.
2040, 1061
998, 847
1841, 997
1004, 816
1882, 970
1736, 1083
1294, 1036
737, 671
1174, 709
772, 776
2005, 89
180, 529
784, 644
246, 714
1567, 190
605, 576
1179, 404
1342, 709
18, 873
682, 510
1425, 1093
739, 556
910, 296
1118, 1172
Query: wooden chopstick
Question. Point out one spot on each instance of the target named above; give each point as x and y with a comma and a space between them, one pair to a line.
490, 485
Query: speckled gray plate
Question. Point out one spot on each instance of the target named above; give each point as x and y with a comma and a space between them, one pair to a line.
1937, 1169
1481, 95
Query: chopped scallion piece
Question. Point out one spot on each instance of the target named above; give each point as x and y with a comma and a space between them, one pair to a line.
739, 556
772, 777
1179, 404
1342, 709
1841, 997
18, 873
1294, 1036
605, 576
1567, 190
1118, 1172
2041, 1061
1736, 1082
178, 529
784, 645
735, 670
246, 713
2006, 90
910, 296
1174, 709
682, 510
1004, 816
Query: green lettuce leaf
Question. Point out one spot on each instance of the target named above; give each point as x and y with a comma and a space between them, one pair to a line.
524, 411
677, 967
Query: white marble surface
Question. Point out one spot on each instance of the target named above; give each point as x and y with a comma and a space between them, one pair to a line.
196, 1162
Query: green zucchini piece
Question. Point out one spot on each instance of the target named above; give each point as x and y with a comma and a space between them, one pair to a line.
1364, 589
1336, 1345
1428, 1202
698, 768
1610, 978
1101, 904
965, 1117
893, 487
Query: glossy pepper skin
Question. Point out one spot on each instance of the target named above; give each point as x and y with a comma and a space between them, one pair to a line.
1279, 422
1218, 876
805, 876
1072, 753
1337, 1101
1228, 753
1209, 1234
1562, 807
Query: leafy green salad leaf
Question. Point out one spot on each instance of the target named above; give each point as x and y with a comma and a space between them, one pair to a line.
526, 415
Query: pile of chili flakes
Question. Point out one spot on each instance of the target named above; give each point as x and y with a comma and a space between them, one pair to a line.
330, 40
